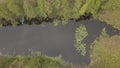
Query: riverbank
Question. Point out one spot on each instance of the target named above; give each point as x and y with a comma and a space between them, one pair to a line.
11, 11
37, 61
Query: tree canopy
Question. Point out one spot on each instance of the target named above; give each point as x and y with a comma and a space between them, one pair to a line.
104, 10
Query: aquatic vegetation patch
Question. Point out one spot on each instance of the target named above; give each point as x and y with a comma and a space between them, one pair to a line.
80, 34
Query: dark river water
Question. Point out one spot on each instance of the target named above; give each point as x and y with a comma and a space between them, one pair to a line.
50, 40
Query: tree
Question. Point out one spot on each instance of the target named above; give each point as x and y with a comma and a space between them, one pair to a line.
91, 6
29, 8
16, 6
6, 14
41, 8
76, 5
4, 11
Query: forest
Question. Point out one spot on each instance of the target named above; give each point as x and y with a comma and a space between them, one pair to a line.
105, 50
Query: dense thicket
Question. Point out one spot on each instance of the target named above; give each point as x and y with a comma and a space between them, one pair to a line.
105, 10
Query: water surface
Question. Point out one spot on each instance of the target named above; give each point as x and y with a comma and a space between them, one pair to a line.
50, 40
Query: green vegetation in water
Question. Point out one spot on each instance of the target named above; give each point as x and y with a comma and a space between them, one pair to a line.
56, 22
80, 34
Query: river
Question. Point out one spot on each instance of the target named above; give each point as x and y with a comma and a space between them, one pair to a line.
51, 40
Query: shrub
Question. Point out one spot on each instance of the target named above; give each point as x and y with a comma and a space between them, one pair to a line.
33, 62
16, 7
30, 9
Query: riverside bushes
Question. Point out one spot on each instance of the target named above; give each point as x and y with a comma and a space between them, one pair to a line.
33, 62
14, 9
104, 10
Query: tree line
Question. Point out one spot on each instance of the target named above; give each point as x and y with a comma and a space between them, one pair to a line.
43, 10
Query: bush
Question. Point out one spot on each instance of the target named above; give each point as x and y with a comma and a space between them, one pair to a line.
33, 62
30, 9
16, 7
105, 10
